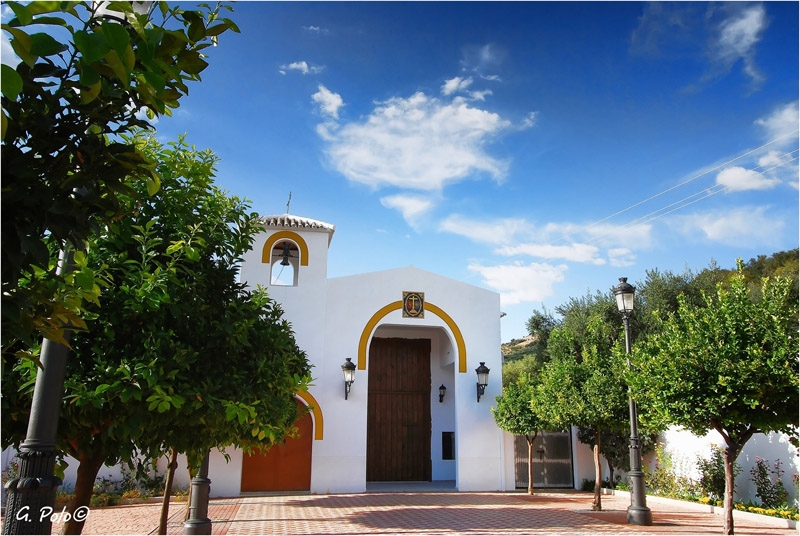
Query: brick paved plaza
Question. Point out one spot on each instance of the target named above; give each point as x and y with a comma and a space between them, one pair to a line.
564, 512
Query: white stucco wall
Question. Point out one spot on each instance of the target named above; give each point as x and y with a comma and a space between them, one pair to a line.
583, 461
352, 302
685, 447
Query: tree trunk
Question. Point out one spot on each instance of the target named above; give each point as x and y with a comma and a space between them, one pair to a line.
173, 464
610, 474
88, 467
733, 446
729, 457
598, 473
530, 441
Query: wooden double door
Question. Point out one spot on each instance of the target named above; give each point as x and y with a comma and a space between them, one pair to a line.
399, 410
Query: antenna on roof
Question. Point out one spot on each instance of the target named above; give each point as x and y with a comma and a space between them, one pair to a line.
289, 202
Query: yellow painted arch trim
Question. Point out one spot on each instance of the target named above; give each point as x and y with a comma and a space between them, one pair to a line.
394, 306
311, 402
266, 252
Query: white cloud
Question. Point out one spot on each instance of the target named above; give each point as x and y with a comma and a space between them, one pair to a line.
497, 232
621, 257
483, 60
455, 84
144, 114
517, 236
574, 252
738, 179
302, 67
411, 207
666, 29
529, 121
782, 121
520, 282
737, 38
329, 102
640, 234
480, 95
7, 54
745, 226
418, 143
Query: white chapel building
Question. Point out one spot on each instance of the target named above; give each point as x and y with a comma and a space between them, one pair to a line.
412, 413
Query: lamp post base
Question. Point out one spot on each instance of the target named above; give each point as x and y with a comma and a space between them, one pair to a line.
640, 515
198, 522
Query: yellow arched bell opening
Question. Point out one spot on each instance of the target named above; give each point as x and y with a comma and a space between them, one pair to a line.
266, 252
316, 412
429, 307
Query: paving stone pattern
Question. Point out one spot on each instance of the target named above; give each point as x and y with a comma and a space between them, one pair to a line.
427, 513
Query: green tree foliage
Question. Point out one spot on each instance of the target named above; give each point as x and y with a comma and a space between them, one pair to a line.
177, 353
730, 365
80, 85
514, 371
516, 413
582, 386
782, 264
591, 321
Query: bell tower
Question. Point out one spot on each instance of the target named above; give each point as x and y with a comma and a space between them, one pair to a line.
290, 258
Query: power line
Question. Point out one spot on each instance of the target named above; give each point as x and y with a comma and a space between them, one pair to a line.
710, 191
704, 173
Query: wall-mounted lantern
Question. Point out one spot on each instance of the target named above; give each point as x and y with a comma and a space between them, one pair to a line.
349, 371
483, 378
442, 392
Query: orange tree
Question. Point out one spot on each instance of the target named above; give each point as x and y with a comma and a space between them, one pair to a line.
580, 385
176, 355
82, 81
516, 413
730, 365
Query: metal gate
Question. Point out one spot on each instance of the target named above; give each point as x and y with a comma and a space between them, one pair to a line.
552, 460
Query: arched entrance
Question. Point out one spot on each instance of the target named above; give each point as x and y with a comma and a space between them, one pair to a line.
285, 467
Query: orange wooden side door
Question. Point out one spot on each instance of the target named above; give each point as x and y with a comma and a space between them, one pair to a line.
285, 467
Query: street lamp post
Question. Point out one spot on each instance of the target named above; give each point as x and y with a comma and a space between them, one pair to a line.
638, 512
198, 522
31, 497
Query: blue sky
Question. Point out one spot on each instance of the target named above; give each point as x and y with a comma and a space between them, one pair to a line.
541, 150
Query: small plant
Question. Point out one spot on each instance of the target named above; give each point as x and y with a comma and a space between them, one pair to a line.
132, 494
63, 496
11, 471
769, 486
712, 471
664, 480
105, 486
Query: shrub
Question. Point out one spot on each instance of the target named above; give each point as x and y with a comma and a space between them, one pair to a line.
769, 486
712, 473
664, 480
